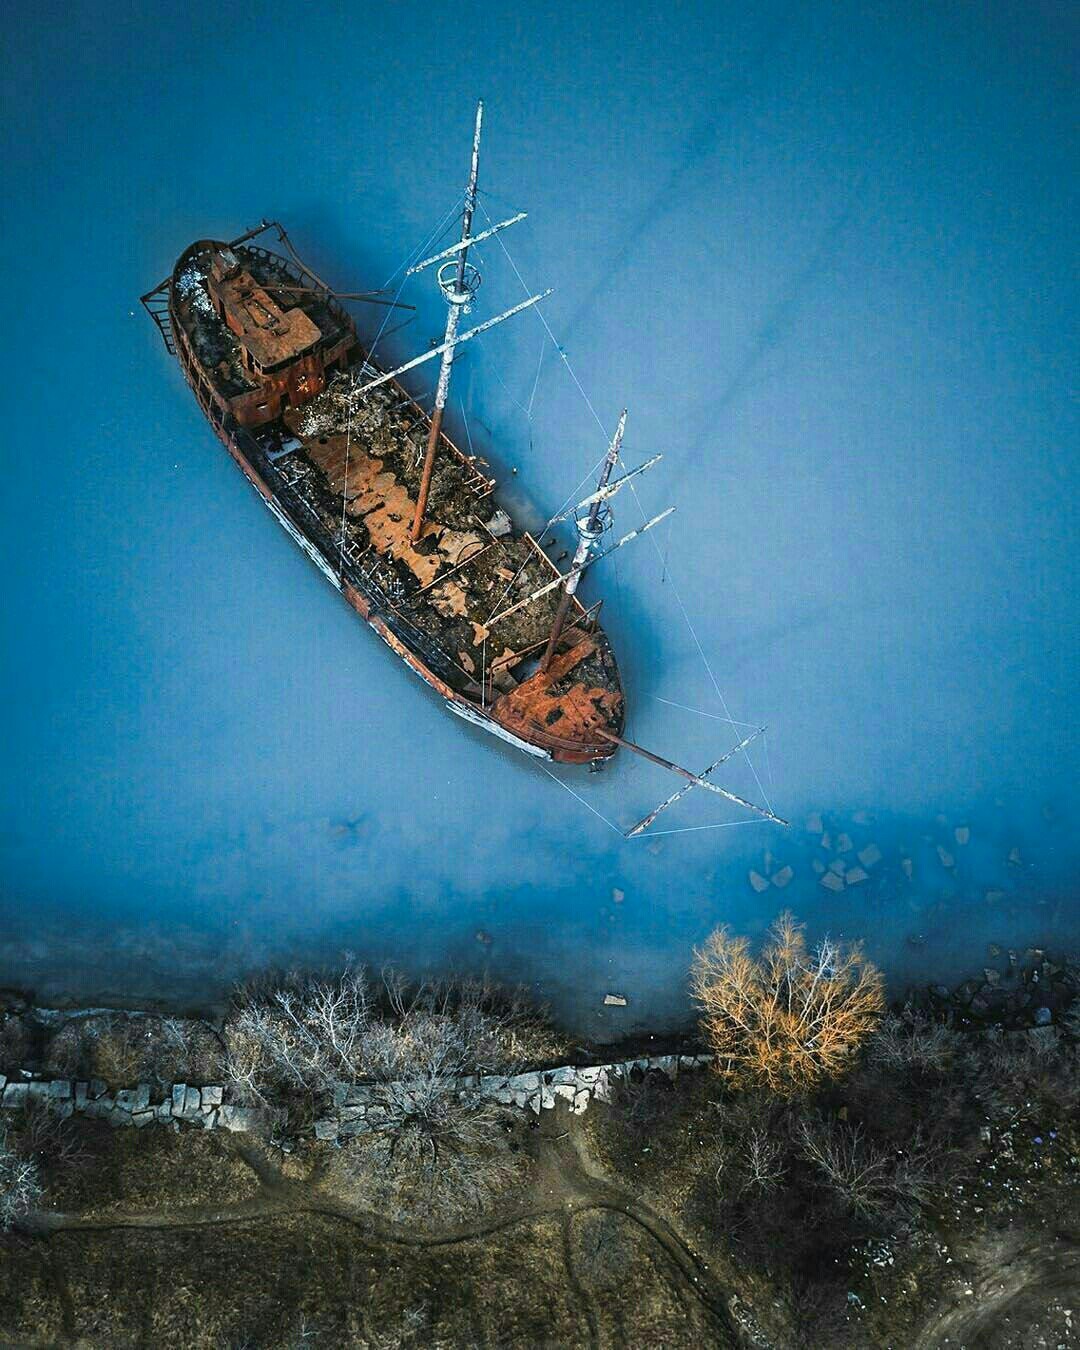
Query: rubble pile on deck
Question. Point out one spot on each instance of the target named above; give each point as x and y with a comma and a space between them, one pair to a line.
369, 448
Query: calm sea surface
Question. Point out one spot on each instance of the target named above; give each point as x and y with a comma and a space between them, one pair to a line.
823, 253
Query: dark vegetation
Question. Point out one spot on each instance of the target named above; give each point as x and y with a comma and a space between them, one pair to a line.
840, 1180
942, 1123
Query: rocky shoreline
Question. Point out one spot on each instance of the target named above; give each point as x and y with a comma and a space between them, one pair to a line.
1020, 996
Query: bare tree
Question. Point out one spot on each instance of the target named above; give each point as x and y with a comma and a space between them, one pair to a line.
869, 1180
20, 1182
918, 1044
790, 1017
418, 1050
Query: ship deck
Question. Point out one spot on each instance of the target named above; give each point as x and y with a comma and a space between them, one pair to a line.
358, 464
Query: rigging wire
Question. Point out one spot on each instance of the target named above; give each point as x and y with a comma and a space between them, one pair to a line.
700, 711
694, 829
674, 588
599, 814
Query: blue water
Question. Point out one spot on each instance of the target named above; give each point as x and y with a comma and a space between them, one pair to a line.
825, 255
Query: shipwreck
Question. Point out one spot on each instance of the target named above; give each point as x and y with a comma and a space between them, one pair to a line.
399, 519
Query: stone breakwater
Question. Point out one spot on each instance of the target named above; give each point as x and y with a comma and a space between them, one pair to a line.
357, 1107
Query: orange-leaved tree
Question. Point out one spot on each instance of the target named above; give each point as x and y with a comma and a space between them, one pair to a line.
789, 1017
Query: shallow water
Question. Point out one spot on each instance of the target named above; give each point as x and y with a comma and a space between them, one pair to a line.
824, 258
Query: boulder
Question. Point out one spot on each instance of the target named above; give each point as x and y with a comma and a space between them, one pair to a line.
758, 882
844, 844
855, 875
783, 876
962, 834
1043, 1017
327, 1128
945, 857
16, 1094
134, 1099
141, 1118
832, 882
211, 1096
238, 1119
814, 823
870, 856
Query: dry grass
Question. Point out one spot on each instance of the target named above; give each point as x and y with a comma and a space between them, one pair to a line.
789, 1018
127, 1048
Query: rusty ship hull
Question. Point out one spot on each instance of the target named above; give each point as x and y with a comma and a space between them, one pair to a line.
341, 482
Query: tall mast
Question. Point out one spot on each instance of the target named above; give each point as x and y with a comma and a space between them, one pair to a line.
589, 531
456, 296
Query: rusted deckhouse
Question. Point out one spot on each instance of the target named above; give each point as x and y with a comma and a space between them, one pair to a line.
395, 515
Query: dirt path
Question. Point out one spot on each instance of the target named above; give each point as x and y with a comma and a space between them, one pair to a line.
567, 1184
1019, 1294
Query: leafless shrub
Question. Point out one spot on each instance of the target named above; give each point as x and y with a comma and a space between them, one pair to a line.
16, 1042
429, 1138
447, 1156
1019, 1075
20, 1182
865, 1178
42, 1135
763, 1160
918, 1045
127, 1048
309, 1035
405, 1334
790, 1018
